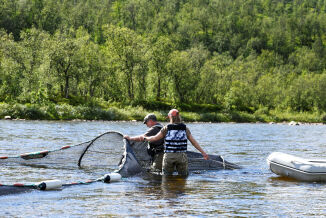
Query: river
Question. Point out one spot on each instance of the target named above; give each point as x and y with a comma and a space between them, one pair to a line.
253, 191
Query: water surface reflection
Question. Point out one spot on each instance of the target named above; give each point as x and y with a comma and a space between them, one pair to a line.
251, 191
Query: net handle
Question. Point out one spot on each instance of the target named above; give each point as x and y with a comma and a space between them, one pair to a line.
91, 143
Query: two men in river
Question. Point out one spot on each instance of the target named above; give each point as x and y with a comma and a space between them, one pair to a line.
175, 136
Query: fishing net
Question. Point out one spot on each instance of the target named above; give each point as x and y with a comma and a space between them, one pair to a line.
103, 152
137, 160
106, 153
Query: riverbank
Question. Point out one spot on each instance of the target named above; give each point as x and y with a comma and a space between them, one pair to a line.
137, 113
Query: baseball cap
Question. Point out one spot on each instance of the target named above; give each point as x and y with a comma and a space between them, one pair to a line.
149, 117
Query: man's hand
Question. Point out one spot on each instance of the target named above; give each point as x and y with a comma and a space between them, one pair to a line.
126, 137
206, 157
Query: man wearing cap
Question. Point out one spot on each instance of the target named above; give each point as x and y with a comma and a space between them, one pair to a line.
155, 148
175, 135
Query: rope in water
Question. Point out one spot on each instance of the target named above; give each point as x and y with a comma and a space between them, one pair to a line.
38, 154
56, 184
37, 186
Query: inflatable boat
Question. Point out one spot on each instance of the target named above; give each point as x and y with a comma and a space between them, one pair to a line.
308, 170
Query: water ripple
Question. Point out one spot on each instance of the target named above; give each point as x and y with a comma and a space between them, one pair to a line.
252, 191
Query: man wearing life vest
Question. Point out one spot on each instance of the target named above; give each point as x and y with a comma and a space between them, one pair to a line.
155, 148
175, 135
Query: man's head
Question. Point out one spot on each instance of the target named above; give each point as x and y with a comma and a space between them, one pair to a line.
174, 116
150, 119
173, 113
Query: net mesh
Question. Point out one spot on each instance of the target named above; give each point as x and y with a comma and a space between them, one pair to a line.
140, 151
103, 152
106, 153
136, 160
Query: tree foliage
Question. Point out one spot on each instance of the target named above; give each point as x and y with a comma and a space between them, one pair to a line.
239, 55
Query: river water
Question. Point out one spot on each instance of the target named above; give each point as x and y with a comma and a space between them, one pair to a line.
252, 191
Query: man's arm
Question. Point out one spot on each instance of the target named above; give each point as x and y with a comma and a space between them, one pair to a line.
154, 138
152, 131
138, 138
197, 146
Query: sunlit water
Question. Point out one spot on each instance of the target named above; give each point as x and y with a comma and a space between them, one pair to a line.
251, 191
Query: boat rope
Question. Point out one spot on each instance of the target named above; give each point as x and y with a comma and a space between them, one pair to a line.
38, 154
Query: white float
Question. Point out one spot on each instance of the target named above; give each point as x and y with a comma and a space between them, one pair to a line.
111, 177
49, 185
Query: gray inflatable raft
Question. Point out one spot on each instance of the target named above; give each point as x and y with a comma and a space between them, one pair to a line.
308, 170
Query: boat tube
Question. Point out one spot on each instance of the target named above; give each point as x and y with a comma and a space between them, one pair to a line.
308, 170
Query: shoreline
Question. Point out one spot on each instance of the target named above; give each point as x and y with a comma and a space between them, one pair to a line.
204, 122
65, 112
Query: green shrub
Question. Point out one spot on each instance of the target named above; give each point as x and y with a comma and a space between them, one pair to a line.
323, 117
50, 112
96, 113
262, 111
213, 117
66, 112
241, 117
190, 117
152, 105
199, 107
32, 112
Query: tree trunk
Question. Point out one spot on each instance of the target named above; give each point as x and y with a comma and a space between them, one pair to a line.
158, 93
66, 86
66, 71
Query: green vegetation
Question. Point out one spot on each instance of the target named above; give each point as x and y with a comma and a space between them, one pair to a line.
215, 60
